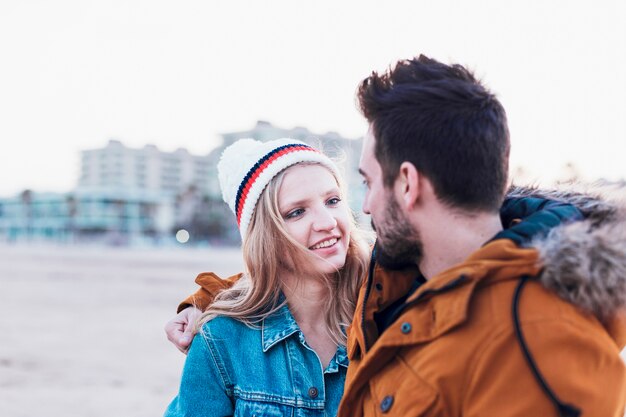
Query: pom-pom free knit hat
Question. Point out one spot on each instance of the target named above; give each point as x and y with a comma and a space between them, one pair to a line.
247, 166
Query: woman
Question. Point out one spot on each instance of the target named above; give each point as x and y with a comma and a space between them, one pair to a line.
275, 341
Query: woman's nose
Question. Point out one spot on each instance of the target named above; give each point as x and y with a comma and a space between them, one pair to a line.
324, 220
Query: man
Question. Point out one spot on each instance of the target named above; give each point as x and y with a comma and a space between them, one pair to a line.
458, 316
435, 161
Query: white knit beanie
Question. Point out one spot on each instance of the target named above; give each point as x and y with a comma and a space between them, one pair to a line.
247, 166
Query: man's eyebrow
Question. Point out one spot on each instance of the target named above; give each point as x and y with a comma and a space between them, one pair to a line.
362, 173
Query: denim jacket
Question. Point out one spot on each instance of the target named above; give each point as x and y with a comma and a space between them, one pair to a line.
234, 370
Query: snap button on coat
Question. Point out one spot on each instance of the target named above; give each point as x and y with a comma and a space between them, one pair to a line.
406, 328
313, 392
386, 404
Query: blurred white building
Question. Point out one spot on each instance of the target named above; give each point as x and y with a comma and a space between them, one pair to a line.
115, 218
130, 196
147, 169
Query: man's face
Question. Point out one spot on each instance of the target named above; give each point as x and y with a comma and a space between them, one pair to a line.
398, 243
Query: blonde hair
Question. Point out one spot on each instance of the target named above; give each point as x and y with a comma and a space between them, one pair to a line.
254, 296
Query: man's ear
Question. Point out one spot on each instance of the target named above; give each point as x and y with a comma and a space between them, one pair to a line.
408, 185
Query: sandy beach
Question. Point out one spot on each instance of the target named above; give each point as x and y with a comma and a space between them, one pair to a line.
81, 329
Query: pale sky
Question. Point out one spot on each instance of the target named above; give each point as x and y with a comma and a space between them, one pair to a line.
74, 74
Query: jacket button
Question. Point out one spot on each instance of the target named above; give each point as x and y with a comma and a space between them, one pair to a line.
405, 328
313, 392
386, 404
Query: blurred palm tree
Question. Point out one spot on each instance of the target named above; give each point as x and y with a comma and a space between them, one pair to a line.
27, 205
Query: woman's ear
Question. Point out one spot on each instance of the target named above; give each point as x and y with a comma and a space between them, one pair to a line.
408, 185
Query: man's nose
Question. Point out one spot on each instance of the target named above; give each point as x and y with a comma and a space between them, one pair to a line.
366, 204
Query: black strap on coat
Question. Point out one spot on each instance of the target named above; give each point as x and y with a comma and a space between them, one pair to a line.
564, 410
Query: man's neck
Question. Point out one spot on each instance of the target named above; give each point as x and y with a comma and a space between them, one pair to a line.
453, 238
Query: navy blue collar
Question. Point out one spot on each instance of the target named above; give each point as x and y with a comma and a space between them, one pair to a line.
527, 218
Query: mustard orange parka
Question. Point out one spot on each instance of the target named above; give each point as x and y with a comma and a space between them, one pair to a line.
530, 324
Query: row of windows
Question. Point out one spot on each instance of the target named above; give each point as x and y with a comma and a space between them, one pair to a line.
101, 209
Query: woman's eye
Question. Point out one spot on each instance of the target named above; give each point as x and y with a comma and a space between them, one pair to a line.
294, 213
333, 201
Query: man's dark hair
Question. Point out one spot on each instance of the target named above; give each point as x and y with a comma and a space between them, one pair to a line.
446, 123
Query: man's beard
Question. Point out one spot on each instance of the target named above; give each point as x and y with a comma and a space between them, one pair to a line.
398, 244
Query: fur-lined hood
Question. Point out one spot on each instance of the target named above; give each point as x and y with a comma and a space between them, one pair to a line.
584, 262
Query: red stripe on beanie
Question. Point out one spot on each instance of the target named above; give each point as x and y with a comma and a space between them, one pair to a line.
257, 172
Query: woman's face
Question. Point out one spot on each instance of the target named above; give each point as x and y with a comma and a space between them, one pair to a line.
315, 214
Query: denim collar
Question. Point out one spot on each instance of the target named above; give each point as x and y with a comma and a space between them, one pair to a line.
277, 327
281, 324
340, 359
